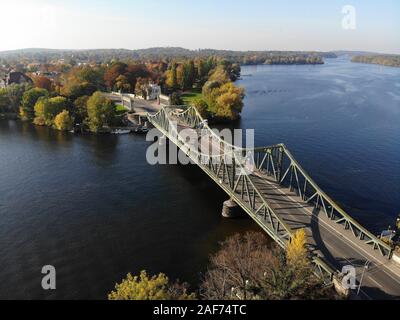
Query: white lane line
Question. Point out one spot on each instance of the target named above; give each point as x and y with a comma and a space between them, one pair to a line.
340, 234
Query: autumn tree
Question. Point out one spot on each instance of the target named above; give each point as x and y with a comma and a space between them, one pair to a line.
225, 101
43, 83
248, 267
46, 109
101, 112
144, 287
296, 251
172, 77
29, 100
122, 76
82, 81
142, 88
202, 107
63, 121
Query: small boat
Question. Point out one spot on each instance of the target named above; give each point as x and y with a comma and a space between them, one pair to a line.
141, 130
121, 131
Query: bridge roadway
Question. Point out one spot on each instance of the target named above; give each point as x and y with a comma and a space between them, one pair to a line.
329, 240
335, 245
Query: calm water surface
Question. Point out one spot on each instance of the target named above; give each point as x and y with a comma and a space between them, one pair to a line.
92, 207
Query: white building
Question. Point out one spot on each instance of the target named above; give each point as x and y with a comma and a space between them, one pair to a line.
153, 92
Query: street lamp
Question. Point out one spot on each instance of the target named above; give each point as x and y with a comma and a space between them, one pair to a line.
366, 266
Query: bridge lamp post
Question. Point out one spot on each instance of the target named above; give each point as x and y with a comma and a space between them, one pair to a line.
366, 267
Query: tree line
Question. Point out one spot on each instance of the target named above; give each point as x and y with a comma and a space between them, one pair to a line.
142, 55
385, 60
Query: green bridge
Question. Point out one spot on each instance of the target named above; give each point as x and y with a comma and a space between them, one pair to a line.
281, 197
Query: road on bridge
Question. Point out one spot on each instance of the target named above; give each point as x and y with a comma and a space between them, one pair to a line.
326, 237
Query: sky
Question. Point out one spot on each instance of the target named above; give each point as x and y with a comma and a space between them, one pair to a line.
218, 24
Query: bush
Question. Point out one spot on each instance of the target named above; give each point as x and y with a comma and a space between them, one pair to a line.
144, 287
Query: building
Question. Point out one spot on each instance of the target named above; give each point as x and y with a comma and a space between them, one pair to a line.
153, 92
15, 77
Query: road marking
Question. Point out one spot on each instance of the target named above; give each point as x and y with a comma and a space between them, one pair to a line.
336, 231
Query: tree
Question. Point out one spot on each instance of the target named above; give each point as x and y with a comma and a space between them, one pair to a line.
43, 83
101, 112
4, 101
225, 102
242, 258
146, 288
122, 84
15, 93
129, 72
80, 109
47, 109
296, 252
142, 88
220, 74
172, 77
81, 81
175, 99
29, 100
202, 107
63, 121
247, 268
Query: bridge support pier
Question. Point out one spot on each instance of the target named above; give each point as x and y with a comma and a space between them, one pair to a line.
163, 141
231, 210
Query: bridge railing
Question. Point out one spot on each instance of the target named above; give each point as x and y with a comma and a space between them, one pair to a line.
278, 162
228, 171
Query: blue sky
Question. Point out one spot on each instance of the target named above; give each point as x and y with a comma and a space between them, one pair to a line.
237, 25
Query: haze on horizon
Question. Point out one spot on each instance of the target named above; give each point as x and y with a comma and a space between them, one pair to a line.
245, 25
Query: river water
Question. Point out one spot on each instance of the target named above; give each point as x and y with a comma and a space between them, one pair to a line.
92, 206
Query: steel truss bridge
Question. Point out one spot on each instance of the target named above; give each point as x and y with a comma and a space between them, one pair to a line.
279, 195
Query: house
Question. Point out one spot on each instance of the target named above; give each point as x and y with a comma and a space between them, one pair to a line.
15, 77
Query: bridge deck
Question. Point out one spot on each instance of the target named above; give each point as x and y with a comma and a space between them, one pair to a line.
334, 244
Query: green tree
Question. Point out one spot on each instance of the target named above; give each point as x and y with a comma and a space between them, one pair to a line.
80, 109
101, 112
144, 287
46, 109
29, 100
4, 101
63, 121
15, 93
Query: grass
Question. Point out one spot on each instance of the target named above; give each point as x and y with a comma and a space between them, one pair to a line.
120, 109
189, 96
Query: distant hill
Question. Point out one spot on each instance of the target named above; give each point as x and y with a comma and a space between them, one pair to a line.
105, 55
381, 59
353, 53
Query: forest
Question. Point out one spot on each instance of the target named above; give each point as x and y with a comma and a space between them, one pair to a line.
385, 60
162, 53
